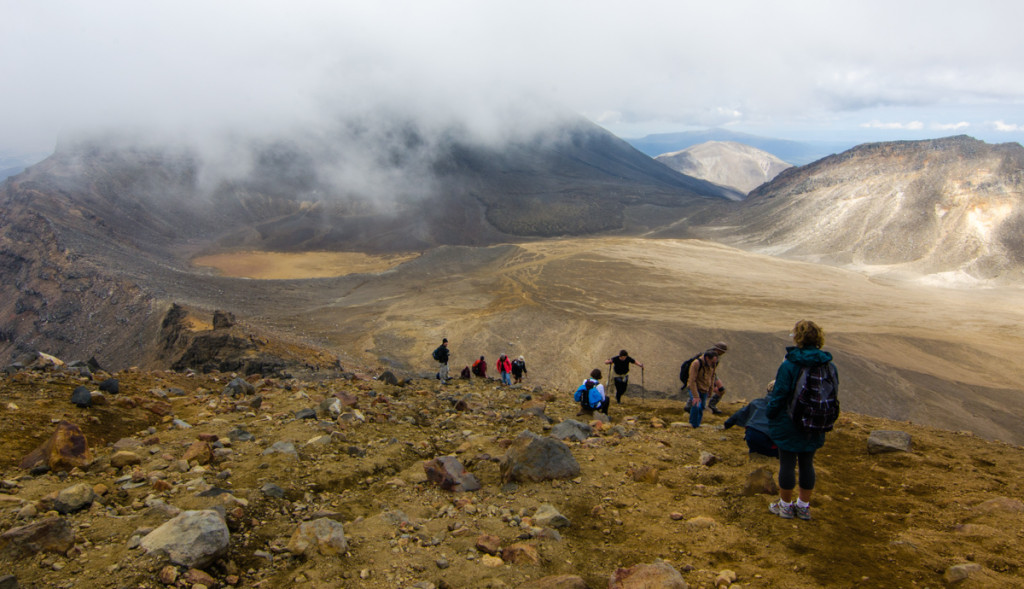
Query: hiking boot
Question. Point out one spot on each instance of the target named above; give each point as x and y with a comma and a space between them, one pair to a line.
688, 406
713, 404
783, 511
714, 410
803, 513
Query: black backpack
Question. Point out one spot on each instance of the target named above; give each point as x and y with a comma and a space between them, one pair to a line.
437, 354
684, 370
814, 406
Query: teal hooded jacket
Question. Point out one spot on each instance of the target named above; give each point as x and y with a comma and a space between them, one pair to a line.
780, 425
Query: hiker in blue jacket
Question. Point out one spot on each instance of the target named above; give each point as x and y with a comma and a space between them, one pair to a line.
754, 419
795, 446
591, 396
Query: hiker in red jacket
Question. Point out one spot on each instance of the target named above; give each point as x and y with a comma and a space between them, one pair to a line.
504, 366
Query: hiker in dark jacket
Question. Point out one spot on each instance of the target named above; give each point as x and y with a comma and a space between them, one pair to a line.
754, 419
620, 369
518, 370
441, 356
795, 446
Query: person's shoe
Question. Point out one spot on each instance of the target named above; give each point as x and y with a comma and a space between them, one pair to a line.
803, 513
688, 406
715, 410
783, 511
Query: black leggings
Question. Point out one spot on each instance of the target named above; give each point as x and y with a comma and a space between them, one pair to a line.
787, 466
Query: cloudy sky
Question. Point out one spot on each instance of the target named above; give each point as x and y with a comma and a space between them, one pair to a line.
860, 71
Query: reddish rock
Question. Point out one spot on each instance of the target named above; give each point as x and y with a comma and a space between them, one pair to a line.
521, 553
66, 449
488, 544
450, 474
641, 576
52, 534
199, 451
196, 576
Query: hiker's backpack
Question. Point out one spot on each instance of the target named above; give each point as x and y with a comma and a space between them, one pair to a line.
437, 354
814, 406
584, 389
684, 370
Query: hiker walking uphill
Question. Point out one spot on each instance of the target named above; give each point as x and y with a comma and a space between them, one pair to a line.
620, 370
504, 367
701, 382
802, 407
441, 356
719, 391
518, 370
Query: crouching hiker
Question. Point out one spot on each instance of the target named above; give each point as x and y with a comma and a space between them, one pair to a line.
591, 396
754, 419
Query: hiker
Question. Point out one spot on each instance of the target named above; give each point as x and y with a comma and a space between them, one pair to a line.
504, 369
701, 383
441, 356
480, 368
518, 370
591, 396
721, 348
754, 419
620, 367
798, 442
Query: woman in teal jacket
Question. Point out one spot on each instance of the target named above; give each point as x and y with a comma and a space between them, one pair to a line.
795, 446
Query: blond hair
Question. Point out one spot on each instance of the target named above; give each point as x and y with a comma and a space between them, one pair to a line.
806, 334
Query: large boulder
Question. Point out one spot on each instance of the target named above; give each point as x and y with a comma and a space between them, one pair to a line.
74, 498
192, 539
535, 458
51, 534
570, 429
66, 449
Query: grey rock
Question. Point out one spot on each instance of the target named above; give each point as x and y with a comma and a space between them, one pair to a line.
961, 572
880, 441
8, 582
111, 385
74, 498
281, 448
81, 397
192, 539
239, 387
533, 458
641, 576
240, 435
324, 536
547, 515
305, 414
272, 490
570, 429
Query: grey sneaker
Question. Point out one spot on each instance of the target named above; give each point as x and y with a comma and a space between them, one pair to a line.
803, 513
783, 511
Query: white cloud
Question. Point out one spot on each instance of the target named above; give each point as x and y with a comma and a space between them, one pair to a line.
911, 126
1003, 127
645, 64
950, 126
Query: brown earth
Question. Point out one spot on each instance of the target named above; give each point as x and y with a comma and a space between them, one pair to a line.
886, 520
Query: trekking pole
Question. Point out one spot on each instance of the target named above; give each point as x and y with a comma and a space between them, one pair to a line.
643, 389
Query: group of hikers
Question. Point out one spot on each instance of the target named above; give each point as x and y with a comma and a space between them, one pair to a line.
510, 371
790, 422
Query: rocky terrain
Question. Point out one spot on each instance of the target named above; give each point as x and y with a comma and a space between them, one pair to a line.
339, 478
726, 163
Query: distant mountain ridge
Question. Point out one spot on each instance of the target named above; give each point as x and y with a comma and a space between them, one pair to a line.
797, 153
726, 163
952, 205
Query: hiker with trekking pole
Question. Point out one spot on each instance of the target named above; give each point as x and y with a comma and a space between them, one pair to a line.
620, 368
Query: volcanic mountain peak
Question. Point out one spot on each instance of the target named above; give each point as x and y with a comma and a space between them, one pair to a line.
937, 206
726, 163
